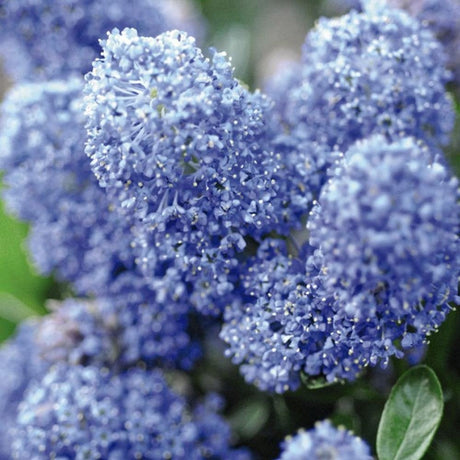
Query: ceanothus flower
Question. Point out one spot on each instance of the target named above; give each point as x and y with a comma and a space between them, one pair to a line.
180, 142
21, 363
374, 72
49, 184
53, 39
443, 18
76, 332
75, 231
265, 331
90, 412
387, 227
324, 441
286, 326
379, 282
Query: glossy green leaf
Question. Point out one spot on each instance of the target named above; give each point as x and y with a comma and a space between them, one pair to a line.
411, 416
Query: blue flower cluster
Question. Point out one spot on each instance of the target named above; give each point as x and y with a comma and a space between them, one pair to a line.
325, 441
21, 365
381, 265
384, 228
42, 140
380, 262
89, 412
272, 333
374, 72
46, 39
182, 145
75, 231
443, 19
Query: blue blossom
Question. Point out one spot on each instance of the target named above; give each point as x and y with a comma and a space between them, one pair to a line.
182, 145
325, 441
76, 332
386, 226
264, 332
379, 283
443, 19
21, 363
52, 39
286, 326
374, 72
49, 184
89, 412
75, 231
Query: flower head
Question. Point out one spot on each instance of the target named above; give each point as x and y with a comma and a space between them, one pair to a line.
325, 441
83, 412
76, 232
373, 72
386, 225
54, 39
180, 143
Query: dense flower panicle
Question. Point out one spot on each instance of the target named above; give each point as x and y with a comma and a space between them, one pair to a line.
443, 18
58, 38
151, 320
325, 441
387, 228
382, 73
89, 412
295, 326
386, 266
181, 143
21, 363
49, 184
258, 331
375, 72
76, 332
75, 232
287, 326
118, 331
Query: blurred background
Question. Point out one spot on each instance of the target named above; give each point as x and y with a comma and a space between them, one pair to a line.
261, 35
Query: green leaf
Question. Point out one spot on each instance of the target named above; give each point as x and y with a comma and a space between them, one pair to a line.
17, 277
411, 416
315, 383
13, 310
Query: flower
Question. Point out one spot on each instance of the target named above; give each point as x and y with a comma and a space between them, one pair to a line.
378, 71
443, 20
386, 226
180, 143
375, 280
54, 40
325, 441
83, 412
76, 232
